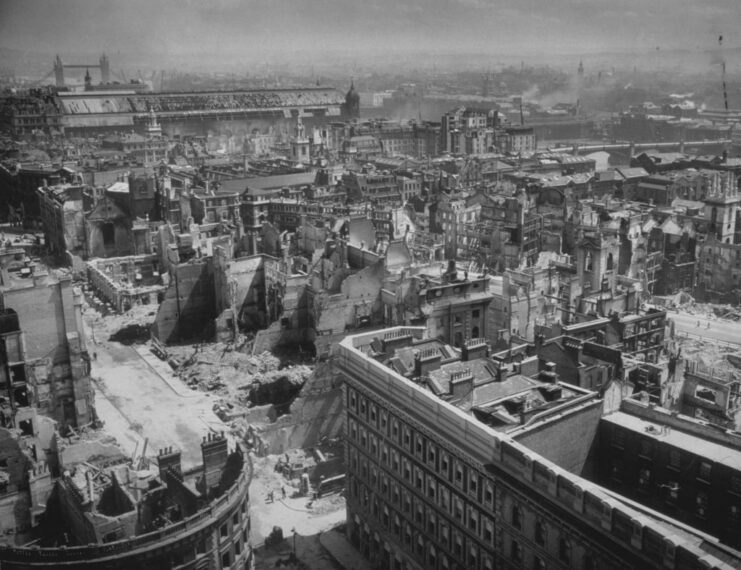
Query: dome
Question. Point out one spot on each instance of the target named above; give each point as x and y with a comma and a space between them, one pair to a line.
352, 95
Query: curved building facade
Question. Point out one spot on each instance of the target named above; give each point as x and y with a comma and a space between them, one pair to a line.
215, 536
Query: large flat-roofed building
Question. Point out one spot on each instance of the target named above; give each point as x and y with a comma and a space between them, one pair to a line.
432, 486
674, 464
177, 112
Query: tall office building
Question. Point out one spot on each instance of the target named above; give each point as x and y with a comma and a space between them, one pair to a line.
447, 467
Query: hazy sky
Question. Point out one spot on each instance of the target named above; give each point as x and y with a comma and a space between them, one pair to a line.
234, 27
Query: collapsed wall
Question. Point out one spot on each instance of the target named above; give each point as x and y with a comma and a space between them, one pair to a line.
315, 414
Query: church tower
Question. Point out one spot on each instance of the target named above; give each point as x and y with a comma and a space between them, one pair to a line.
105, 69
300, 144
597, 259
58, 71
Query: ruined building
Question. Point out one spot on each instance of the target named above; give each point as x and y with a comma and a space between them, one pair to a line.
116, 515
44, 385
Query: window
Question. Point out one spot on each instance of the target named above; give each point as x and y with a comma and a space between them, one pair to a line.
736, 485
704, 471
564, 550
431, 454
489, 494
444, 534
473, 482
701, 503
646, 448
457, 544
644, 478
674, 459
226, 560
515, 552
223, 531
419, 446
475, 314
473, 519
734, 515
516, 517
444, 465
541, 533
458, 508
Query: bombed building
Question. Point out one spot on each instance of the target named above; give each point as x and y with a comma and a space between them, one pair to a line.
110, 513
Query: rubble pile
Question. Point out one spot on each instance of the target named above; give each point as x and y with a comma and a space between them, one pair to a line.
236, 377
130, 327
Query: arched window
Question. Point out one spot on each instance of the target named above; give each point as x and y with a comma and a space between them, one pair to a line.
588, 262
540, 533
610, 262
516, 517
564, 550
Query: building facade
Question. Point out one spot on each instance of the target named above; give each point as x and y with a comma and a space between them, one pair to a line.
431, 487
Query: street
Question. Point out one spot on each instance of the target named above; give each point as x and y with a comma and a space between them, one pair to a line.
723, 330
135, 402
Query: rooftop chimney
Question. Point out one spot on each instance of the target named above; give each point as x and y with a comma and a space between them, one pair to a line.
474, 348
167, 459
549, 374
426, 360
215, 451
461, 383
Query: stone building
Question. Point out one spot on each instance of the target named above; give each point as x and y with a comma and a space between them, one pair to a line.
431, 485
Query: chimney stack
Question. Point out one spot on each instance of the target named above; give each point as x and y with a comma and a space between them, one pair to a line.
549, 374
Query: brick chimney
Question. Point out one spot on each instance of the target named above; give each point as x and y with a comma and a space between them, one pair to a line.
549, 374
167, 459
474, 348
461, 383
426, 360
215, 451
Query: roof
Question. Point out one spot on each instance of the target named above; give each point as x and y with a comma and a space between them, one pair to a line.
634, 172
710, 450
122, 187
264, 183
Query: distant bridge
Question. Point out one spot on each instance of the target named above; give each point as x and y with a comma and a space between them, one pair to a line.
632, 147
